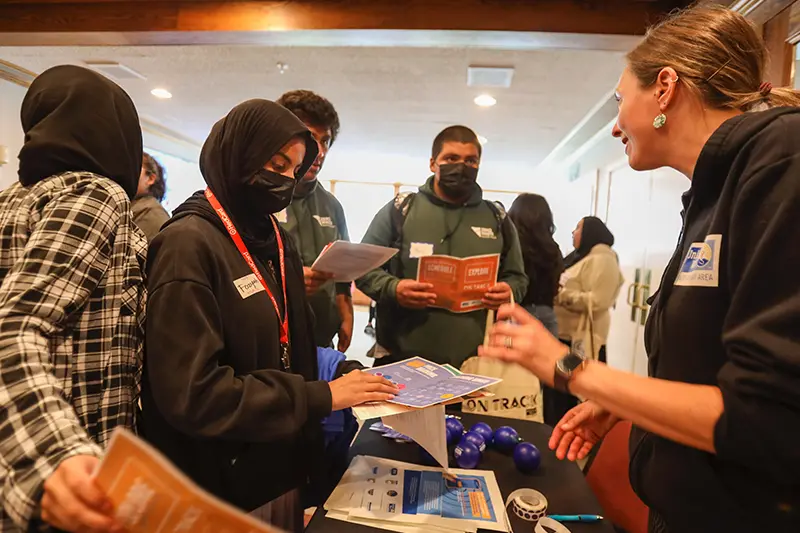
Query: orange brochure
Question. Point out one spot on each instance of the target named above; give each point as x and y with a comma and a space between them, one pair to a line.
149, 494
459, 283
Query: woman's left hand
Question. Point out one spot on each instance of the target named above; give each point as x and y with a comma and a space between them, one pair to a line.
525, 341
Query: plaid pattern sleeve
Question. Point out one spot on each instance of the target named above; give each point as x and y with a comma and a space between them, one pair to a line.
71, 329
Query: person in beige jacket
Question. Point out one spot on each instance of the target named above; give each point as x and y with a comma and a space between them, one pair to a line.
589, 287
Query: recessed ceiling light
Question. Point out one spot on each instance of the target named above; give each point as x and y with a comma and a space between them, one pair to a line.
482, 139
161, 93
485, 100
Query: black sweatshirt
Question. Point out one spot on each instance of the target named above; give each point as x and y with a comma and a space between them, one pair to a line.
728, 315
215, 399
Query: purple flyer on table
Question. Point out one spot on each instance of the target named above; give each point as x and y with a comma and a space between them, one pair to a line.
423, 384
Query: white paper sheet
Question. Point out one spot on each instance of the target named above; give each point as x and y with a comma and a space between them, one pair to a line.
426, 427
348, 261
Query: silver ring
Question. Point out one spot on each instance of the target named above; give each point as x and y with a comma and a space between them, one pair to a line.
508, 342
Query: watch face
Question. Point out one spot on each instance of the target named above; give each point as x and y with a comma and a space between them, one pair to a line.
570, 362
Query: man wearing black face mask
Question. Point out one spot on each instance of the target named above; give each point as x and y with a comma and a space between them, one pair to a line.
448, 216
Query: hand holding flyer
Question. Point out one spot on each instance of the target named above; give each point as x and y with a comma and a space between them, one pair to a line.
149, 494
459, 284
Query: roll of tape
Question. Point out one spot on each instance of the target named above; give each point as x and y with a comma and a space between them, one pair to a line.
528, 504
531, 505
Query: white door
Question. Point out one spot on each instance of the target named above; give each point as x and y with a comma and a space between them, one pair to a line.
628, 216
663, 227
644, 213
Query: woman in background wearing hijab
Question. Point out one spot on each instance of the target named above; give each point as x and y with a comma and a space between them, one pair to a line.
230, 393
71, 300
589, 288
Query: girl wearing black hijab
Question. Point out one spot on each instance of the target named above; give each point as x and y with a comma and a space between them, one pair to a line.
72, 300
589, 287
230, 393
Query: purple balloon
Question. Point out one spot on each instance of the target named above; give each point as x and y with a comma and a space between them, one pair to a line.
485, 431
476, 439
467, 455
506, 438
527, 457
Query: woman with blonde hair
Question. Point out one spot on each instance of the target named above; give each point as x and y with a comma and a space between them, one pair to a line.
716, 425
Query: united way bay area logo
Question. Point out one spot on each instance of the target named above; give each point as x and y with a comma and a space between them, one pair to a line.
700, 266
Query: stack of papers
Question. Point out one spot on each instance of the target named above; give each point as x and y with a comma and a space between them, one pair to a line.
389, 433
418, 409
407, 498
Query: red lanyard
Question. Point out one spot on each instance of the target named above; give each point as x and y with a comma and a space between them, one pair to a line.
237, 239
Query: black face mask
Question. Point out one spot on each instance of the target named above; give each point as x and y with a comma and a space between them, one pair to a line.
269, 192
457, 180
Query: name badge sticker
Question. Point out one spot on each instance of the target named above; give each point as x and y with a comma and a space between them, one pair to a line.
484, 233
420, 249
700, 267
248, 286
325, 222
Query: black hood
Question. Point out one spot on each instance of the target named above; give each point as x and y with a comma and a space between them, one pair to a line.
239, 145
74, 119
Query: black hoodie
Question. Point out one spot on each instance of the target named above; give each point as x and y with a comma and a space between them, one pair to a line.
728, 315
215, 398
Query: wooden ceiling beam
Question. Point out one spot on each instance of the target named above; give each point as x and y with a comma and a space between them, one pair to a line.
119, 21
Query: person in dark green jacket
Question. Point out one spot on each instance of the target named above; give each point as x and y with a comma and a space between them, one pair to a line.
448, 216
315, 219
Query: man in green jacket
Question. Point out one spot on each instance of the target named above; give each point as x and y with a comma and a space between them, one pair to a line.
448, 216
315, 219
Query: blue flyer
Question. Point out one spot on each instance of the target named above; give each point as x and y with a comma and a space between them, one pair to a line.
429, 493
423, 384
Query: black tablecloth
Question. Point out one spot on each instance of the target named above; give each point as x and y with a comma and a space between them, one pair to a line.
561, 482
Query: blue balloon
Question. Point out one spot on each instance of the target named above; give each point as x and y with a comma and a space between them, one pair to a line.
454, 424
485, 431
527, 457
476, 439
467, 455
506, 438
453, 435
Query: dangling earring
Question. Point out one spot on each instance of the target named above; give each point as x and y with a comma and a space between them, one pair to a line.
659, 121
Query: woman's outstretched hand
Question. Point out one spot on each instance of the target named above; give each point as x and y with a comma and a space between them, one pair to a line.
580, 430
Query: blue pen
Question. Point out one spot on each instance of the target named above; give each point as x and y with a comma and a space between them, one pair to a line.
576, 517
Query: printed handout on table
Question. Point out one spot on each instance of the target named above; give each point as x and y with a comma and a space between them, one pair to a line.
423, 383
382, 489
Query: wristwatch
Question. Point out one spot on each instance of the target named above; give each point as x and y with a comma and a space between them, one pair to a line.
566, 368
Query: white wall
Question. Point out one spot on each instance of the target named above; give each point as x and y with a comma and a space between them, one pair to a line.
11, 135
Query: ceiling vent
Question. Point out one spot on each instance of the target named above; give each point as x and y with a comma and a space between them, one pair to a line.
115, 70
490, 76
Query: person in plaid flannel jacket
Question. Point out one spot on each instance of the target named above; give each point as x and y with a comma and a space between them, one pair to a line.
72, 301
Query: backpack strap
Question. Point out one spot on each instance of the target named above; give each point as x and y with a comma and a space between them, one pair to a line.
501, 215
402, 205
